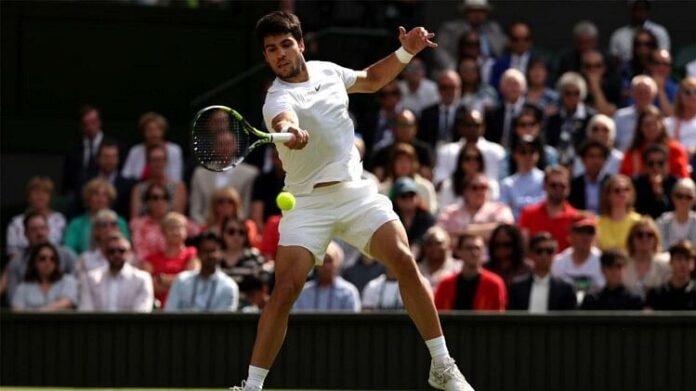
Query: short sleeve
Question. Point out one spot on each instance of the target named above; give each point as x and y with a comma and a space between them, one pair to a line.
348, 76
19, 301
69, 289
277, 101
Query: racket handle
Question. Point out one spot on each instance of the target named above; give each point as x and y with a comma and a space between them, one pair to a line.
282, 137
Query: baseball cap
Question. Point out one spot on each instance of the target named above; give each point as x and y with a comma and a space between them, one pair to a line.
404, 185
588, 224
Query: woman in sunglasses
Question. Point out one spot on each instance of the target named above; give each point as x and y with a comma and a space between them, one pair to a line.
682, 125
469, 162
226, 203
616, 212
240, 259
648, 267
506, 254
45, 287
681, 223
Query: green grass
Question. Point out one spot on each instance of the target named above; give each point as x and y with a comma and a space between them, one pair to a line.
114, 389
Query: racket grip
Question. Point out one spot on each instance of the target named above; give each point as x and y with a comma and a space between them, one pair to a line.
282, 137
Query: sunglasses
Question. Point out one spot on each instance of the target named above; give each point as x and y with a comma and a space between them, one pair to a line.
478, 187
644, 234
469, 124
233, 231
42, 258
557, 185
592, 65
407, 195
683, 196
571, 93
544, 251
158, 197
525, 151
526, 124
655, 163
471, 158
102, 224
585, 230
116, 250
620, 190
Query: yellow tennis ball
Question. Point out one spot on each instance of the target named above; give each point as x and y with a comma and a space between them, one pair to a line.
285, 200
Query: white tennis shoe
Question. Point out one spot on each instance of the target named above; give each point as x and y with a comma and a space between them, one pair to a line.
244, 387
448, 377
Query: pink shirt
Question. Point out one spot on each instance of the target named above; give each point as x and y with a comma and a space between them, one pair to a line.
456, 218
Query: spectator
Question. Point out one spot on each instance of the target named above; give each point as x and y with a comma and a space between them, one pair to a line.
476, 214
653, 188
364, 270
382, 293
470, 126
176, 257
554, 215
680, 224
469, 47
519, 52
679, 293
643, 91
108, 158
579, 263
644, 43
153, 127
538, 92
603, 85
506, 254
470, 162
648, 266
118, 286
473, 288
104, 224
526, 185
476, 18
437, 261
513, 88
585, 39
328, 291
405, 129
586, 188
565, 130
38, 192
476, 93
682, 125
602, 128
265, 190
614, 295
376, 127
415, 218
225, 203
97, 194
417, 91
255, 293
659, 67
36, 232
528, 124
239, 258
404, 163
620, 43
650, 129
617, 214
437, 122
45, 286
207, 289
541, 292
156, 162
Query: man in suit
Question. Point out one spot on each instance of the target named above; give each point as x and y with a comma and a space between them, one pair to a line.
500, 121
118, 286
518, 55
541, 292
437, 123
654, 187
586, 188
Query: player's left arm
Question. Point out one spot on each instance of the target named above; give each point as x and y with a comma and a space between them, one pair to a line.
377, 75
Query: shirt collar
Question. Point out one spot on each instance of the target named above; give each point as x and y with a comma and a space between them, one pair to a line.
541, 280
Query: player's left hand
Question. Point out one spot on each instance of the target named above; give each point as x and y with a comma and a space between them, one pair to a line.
416, 40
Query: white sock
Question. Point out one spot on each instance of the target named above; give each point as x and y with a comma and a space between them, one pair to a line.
438, 349
256, 376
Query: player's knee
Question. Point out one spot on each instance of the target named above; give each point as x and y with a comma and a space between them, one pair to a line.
287, 291
404, 265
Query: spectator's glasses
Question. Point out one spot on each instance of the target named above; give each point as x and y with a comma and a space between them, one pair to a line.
644, 235
544, 251
655, 163
593, 65
689, 92
158, 197
557, 185
234, 231
480, 187
585, 230
42, 258
407, 195
221, 201
104, 224
526, 124
571, 93
683, 196
599, 128
471, 158
116, 250
620, 190
469, 124
525, 151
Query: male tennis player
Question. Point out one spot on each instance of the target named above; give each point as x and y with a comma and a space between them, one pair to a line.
310, 100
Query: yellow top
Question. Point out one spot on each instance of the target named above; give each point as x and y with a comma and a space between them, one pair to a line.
614, 234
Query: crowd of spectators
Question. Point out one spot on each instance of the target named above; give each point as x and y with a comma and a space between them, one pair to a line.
525, 182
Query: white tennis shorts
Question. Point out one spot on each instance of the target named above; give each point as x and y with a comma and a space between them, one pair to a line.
351, 211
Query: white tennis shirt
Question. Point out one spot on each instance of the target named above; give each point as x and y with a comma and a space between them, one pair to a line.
321, 105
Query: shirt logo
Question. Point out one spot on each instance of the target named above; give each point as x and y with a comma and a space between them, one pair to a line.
316, 89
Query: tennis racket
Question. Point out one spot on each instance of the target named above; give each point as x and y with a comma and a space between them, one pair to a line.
221, 138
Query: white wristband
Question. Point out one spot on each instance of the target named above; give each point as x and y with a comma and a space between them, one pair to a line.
403, 56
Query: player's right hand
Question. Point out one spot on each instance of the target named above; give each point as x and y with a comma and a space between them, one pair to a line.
301, 138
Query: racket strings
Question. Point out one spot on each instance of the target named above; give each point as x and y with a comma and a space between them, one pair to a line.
219, 141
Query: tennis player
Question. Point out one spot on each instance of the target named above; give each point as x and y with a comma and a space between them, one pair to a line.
310, 100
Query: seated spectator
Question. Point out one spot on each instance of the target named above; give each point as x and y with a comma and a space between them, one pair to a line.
206, 289
271, 237
682, 125
364, 270
38, 192
225, 203
469, 47
680, 224
617, 214
585, 38
470, 162
239, 258
254, 293
153, 127
178, 196
415, 218
620, 44
643, 91
176, 257
107, 161
417, 91
648, 266
614, 295
375, 125
679, 293
265, 190
653, 188
579, 263
526, 185
328, 291
603, 85
119, 286
565, 130
382, 293
538, 92
473, 288
519, 52
45, 286
499, 121
404, 163
586, 188
651, 130
104, 224
554, 215
470, 127
97, 194
475, 214
477, 94
436, 260
506, 254
602, 129
541, 292
437, 122
644, 43
659, 67
36, 232
528, 124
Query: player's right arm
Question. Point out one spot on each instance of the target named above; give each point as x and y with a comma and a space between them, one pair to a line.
287, 121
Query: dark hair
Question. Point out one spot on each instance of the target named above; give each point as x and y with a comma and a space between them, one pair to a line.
233, 219
151, 148
107, 144
458, 176
541, 237
682, 247
587, 145
153, 186
638, 137
402, 149
538, 144
210, 236
467, 236
652, 148
32, 274
279, 23
30, 215
637, 66
612, 257
84, 110
512, 25
517, 245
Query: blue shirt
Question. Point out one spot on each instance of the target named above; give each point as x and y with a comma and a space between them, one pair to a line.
340, 296
592, 195
520, 190
191, 292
